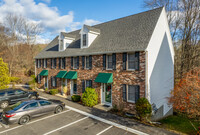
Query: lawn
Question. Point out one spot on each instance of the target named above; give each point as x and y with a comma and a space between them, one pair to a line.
181, 124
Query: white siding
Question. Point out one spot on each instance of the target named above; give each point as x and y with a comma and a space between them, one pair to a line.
160, 65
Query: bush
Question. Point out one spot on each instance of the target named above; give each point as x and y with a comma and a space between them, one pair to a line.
76, 98
143, 108
53, 91
15, 80
90, 97
33, 82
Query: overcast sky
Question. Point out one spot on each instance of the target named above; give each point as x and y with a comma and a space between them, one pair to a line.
68, 15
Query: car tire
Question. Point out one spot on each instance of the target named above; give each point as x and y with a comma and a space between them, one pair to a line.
4, 104
58, 109
24, 120
33, 97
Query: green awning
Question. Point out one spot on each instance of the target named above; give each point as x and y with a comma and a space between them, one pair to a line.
104, 78
44, 73
61, 74
71, 75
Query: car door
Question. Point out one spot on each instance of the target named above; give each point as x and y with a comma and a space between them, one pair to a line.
11, 96
47, 106
33, 109
21, 95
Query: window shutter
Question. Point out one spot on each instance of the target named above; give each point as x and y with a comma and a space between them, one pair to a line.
36, 63
59, 63
137, 92
83, 86
51, 81
114, 61
104, 62
64, 62
124, 60
90, 62
90, 83
137, 60
83, 62
51, 63
124, 92
46, 63
55, 62
71, 62
77, 62
55, 82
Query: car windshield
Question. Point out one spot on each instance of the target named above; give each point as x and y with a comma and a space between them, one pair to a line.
16, 106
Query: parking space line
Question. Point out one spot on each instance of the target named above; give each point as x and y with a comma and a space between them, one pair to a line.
65, 126
104, 130
107, 121
34, 121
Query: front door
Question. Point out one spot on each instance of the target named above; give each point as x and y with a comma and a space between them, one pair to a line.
106, 95
64, 86
45, 82
73, 87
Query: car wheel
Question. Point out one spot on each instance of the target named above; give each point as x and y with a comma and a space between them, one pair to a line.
4, 104
23, 120
33, 97
58, 109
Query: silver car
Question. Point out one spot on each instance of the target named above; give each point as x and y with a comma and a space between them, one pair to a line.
22, 112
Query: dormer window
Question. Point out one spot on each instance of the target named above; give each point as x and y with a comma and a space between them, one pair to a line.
84, 39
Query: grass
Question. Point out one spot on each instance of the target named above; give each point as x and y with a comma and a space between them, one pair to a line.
181, 124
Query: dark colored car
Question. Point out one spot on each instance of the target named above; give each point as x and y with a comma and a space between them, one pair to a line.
23, 111
11, 96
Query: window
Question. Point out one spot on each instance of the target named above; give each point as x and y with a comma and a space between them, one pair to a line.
132, 93
53, 81
63, 63
19, 92
61, 44
53, 63
39, 63
133, 61
10, 93
44, 103
84, 39
45, 63
75, 63
87, 65
39, 78
31, 105
88, 83
2, 94
109, 62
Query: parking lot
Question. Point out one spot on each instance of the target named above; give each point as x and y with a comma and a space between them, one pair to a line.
70, 121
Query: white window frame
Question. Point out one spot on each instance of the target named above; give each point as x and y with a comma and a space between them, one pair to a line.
86, 83
127, 89
86, 62
75, 61
128, 62
85, 40
53, 64
39, 63
44, 63
39, 79
61, 63
107, 62
53, 81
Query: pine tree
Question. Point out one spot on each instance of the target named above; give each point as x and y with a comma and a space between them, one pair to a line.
4, 75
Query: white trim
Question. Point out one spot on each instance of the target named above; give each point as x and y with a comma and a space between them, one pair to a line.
65, 126
130, 101
74, 62
128, 62
86, 62
104, 130
107, 62
103, 86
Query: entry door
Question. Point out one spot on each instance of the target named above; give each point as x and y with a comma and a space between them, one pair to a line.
106, 94
64, 85
46, 82
73, 87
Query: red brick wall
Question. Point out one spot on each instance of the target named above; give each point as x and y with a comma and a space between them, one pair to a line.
119, 77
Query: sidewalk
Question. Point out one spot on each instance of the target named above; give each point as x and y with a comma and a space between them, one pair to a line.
111, 117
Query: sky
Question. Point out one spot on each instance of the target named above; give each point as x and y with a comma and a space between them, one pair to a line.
68, 15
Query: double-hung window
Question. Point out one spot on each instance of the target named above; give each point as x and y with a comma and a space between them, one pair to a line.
53, 63
84, 39
63, 63
75, 63
131, 93
109, 62
45, 63
53, 81
87, 65
39, 63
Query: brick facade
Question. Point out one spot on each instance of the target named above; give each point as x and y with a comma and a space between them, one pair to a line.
120, 77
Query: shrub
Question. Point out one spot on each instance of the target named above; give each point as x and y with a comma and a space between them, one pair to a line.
90, 97
15, 80
76, 98
4, 75
143, 108
33, 82
53, 91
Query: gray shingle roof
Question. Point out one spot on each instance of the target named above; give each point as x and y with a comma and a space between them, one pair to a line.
131, 33
92, 28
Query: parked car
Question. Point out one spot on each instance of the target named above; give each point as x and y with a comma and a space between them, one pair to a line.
23, 111
11, 96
